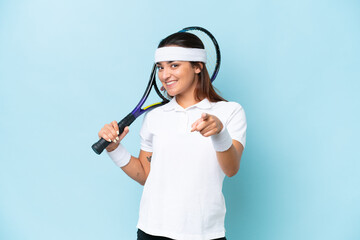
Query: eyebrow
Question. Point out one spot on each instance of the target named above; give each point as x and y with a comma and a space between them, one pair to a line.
168, 62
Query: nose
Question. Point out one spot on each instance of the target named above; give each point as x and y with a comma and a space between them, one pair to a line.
164, 74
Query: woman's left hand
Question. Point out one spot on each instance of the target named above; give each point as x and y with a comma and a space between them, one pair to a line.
207, 125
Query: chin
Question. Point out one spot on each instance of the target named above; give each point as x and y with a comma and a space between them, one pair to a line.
171, 93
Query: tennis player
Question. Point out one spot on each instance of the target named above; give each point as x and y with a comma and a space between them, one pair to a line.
188, 146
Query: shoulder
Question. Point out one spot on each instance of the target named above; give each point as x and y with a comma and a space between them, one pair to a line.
228, 111
227, 107
156, 119
155, 113
234, 119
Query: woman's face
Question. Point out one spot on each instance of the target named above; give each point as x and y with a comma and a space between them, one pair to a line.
178, 77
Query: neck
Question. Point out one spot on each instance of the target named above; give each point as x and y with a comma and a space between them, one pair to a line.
186, 102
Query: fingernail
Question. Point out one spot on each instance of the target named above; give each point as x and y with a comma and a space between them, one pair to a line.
117, 138
117, 132
114, 140
109, 140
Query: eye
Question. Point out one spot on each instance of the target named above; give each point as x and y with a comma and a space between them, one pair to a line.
174, 65
159, 67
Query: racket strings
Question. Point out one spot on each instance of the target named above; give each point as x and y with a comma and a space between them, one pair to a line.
210, 50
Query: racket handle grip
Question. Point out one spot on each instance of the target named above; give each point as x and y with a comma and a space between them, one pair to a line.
100, 145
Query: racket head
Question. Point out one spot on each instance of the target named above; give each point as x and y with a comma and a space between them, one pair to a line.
213, 58
212, 65
212, 49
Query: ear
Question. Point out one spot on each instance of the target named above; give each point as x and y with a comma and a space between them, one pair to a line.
199, 67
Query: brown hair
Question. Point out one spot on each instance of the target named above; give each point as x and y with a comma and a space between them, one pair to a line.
204, 87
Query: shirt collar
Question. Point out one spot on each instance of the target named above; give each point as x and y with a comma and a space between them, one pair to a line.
173, 105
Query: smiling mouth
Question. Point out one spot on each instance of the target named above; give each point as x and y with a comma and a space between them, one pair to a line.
169, 83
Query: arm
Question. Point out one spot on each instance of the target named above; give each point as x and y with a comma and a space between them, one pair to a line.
229, 158
139, 168
136, 168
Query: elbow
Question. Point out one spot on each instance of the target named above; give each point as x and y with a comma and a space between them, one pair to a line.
232, 173
142, 181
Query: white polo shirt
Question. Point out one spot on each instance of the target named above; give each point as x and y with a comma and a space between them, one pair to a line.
182, 197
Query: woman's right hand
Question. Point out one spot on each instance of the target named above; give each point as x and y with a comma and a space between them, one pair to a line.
110, 132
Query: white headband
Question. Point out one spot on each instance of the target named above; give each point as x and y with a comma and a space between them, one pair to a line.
180, 54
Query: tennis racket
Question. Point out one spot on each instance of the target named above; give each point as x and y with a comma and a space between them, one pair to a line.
212, 65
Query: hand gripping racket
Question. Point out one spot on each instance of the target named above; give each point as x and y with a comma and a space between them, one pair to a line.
212, 65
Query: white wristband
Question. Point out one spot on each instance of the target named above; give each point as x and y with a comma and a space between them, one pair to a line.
120, 156
222, 141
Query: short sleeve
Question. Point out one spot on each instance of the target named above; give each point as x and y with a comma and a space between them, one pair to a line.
146, 136
236, 124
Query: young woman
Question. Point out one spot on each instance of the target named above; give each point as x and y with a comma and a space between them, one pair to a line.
187, 147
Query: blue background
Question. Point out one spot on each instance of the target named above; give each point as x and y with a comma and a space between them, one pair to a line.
69, 67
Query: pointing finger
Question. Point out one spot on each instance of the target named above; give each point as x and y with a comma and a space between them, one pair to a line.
204, 116
195, 124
